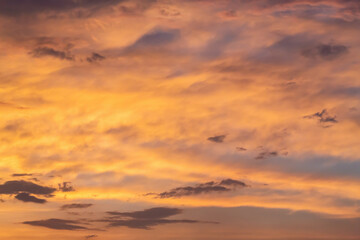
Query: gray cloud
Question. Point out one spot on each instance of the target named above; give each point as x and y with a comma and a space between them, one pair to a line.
76, 205
325, 51
145, 219
289, 48
323, 117
145, 223
26, 197
91, 236
21, 174
66, 187
17, 8
59, 224
158, 37
14, 187
209, 187
232, 182
284, 50
46, 51
154, 39
241, 149
266, 154
152, 213
95, 57
217, 139
215, 47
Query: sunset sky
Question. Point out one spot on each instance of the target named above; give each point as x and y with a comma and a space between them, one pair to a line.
180, 119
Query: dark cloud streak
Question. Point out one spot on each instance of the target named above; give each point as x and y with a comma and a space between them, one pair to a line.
145, 219
323, 117
46, 51
59, 224
325, 51
95, 57
209, 187
75, 205
217, 139
14, 187
16, 8
66, 187
25, 197
160, 212
22, 175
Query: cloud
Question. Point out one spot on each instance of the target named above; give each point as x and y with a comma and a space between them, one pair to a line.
209, 187
22, 174
14, 187
158, 38
241, 149
95, 57
59, 224
26, 197
168, 12
290, 49
66, 187
76, 205
216, 47
91, 236
17, 8
323, 117
232, 182
146, 218
268, 4
286, 50
145, 223
325, 51
217, 139
266, 154
46, 51
160, 212
11, 105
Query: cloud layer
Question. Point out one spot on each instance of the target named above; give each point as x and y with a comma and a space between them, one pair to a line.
117, 114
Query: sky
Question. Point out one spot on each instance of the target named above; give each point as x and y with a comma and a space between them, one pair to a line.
180, 119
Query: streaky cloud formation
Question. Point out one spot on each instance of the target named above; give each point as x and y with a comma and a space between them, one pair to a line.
117, 114
145, 219
18, 7
241, 149
66, 187
326, 51
58, 224
26, 197
75, 205
266, 154
144, 223
22, 175
91, 236
46, 51
323, 117
95, 57
203, 188
14, 187
160, 212
217, 139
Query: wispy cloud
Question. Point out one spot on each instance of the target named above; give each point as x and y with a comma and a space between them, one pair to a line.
145, 219
203, 188
46, 51
26, 197
75, 206
217, 139
58, 224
